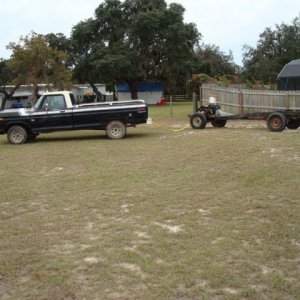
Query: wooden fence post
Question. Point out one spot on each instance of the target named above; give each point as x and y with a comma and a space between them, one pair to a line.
200, 94
287, 102
241, 101
194, 102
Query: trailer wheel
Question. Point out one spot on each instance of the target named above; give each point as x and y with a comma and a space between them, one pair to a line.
276, 122
218, 123
293, 124
198, 121
115, 130
17, 135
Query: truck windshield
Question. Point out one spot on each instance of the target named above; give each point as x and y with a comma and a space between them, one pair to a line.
51, 102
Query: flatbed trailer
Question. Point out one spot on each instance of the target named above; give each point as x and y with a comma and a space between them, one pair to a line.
276, 121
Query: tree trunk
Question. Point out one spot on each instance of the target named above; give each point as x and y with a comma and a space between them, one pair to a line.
96, 91
35, 92
4, 100
133, 86
7, 96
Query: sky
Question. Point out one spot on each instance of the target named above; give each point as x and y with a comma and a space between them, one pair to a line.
229, 24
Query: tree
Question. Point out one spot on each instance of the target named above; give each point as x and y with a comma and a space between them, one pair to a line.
274, 49
132, 41
35, 62
6, 78
60, 42
213, 62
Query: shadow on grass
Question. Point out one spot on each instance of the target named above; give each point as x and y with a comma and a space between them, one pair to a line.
46, 138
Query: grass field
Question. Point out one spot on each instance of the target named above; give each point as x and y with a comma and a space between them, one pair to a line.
166, 213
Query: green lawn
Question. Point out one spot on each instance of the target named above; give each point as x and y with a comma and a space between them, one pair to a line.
166, 213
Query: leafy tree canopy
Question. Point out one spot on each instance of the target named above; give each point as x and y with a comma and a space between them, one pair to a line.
213, 62
6, 76
60, 42
274, 49
6, 79
134, 40
34, 62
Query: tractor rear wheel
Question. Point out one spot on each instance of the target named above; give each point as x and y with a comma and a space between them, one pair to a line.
218, 123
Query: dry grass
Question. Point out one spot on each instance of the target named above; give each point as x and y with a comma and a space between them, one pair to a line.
162, 214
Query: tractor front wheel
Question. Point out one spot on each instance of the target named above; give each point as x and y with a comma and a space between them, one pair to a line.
198, 121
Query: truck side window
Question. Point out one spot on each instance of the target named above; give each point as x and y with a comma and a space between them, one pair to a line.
54, 102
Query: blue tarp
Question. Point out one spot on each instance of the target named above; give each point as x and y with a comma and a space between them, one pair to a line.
142, 87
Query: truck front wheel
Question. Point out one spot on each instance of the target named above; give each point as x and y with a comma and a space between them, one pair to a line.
17, 135
115, 130
276, 121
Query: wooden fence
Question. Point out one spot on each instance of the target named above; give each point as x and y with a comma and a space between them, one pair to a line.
247, 101
180, 98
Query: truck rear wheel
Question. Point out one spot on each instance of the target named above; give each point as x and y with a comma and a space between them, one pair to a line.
17, 135
276, 122
198, 121
115, 130
218, 123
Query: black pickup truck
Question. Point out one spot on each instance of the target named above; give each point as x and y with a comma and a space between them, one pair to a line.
57, 111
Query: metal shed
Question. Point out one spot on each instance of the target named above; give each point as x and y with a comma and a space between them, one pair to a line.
289, 77
151, 92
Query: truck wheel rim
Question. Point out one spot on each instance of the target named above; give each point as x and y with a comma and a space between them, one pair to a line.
116, 130
16, 136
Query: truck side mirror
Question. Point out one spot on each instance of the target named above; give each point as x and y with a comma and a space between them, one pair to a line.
47, 106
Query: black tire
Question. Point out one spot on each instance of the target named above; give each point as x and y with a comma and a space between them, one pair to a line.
218, 123
198, 121
293, 124
17, 135
276, 122
115, 130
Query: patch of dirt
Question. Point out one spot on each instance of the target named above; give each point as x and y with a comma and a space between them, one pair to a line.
219, 239
231, 291
91, 260
89, 226
143, 235
135, 269
170, 228
125, 207
204, 211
